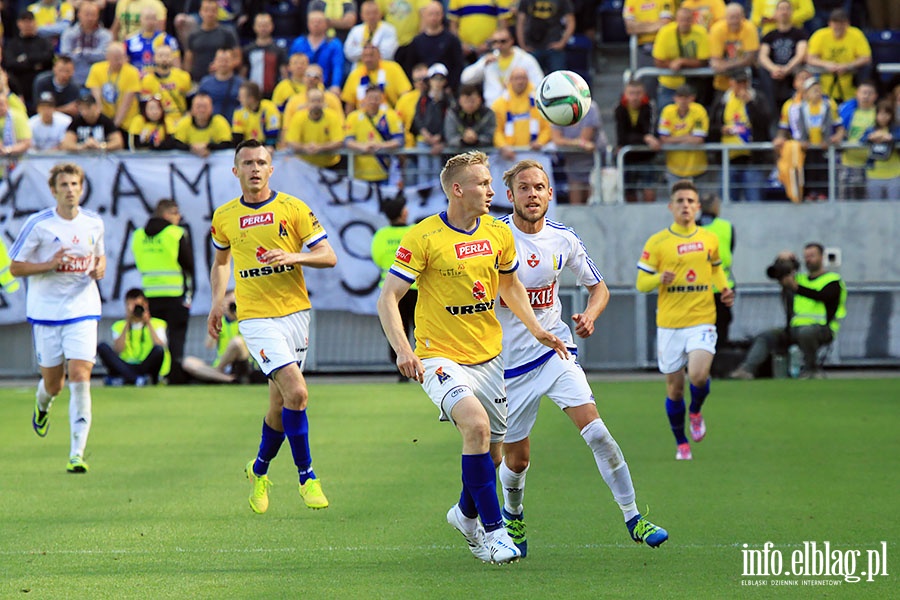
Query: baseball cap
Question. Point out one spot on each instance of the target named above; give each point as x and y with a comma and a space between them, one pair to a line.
47, 98
438, 69
87, 97
809, 83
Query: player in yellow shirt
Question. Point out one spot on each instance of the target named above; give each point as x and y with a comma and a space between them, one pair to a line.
519, 123
679, 45
840, 50
295, 83
733, 44
462, 259
257, 118
264, 233
682, 262
316, 130
116, 85
683, 124
371, 129
706, 12
372, 70
168, 82
763, 14
312, 80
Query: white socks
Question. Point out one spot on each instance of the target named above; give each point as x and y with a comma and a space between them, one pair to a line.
44, 400
612, 465
79, 415
513, 488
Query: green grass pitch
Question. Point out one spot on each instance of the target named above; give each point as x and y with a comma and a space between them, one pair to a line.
163, 512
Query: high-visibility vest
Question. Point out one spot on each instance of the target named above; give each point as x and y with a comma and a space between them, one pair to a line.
156, 257
724, 230
139, 344
229, 331
384, 247
9, 283
812, 312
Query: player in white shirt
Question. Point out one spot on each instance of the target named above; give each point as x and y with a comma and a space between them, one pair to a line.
60, 250
544, 248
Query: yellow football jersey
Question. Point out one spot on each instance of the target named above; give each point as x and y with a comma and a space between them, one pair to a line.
303, 130
458, 273
691, 255
249, 230
685, 163
261, 125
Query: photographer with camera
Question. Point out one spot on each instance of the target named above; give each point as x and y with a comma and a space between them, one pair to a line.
232, 357
138, 354
814, 305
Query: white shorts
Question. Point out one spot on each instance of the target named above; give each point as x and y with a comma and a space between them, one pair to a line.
447, 382
74, 341
674, 345
562, 381
277, 342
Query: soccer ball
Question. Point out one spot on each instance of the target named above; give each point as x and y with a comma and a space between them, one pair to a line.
563, 98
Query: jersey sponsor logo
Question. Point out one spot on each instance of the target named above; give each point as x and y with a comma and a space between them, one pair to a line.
442, 377
470, 309
212, 229
478, 291
472, 249
75, 239
691, 276
533, 261
645, 255
500, 400
538, 297
403, 255
75, 264
687, 288
264, 271
314, 221
248, 221
282, 228
690, 247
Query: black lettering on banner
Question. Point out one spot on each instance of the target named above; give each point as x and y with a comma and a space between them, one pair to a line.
121, 267
194, 186
120, 190
345, 237
11, 196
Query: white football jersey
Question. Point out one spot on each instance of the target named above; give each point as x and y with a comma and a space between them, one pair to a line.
68, 294
542, 257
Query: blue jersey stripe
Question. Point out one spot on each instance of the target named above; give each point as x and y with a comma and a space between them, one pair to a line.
534, 364
65, 321
467, 11
26, 230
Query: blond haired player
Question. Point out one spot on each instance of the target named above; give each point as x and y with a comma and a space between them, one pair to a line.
462, 259
265, 231
61, 252
682, 262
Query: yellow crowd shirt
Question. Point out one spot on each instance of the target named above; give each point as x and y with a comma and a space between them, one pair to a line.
670, 44
691, 254
384, 126
218, 131
706, 12
477, 19
389, 76
150, 132
519, 123
172, 90
113, 86
298, 102
404, 16
128, 12
647, 11
406, 109
735, 116
262, 124
852, 46
303, 130
458, 274
815, 118
249, 230
803, 11
45, 15
685, 163
285, 90
724, 43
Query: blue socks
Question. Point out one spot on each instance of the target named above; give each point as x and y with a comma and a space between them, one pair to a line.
675, 410
467, 504
296, 429
269, 445
698, 395
480, 483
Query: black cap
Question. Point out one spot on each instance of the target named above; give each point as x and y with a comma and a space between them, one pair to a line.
87, 97
739, 74
47, 98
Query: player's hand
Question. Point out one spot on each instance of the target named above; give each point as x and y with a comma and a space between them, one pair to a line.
551, 341
98, 270
58, 259
584, 326
411, 366
728, 297
214, 322
277, 257
667, 277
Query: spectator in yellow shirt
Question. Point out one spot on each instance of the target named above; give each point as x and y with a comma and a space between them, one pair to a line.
371, 129
201, 131
316, 131
116, 85
372, 70
706, 12
644, 18
406, 105
257, 118
733, 44
167, 81
679, 45
765, 19
312, 80
841, 51
682, 124
295, 83
518, 121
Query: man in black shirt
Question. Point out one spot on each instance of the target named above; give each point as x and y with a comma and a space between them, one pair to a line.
59, 83
781, 51
92, 130
203, 43
26, 55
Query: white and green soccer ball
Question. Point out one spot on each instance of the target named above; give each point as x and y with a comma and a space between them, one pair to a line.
563, 98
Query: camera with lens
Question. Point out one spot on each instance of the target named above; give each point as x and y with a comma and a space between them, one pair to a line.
782, 267
138, 311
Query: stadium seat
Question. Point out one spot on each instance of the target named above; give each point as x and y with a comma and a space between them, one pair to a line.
578, 55
885, 49
612, 26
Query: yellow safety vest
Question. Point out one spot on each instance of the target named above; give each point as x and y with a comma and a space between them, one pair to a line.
229, 331
156, 257
384, 247
139, 344
812, 312
724, 231
9, 283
